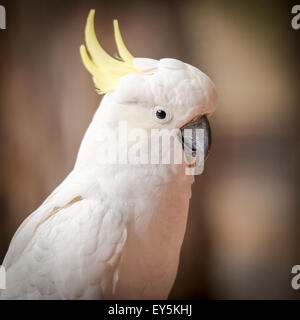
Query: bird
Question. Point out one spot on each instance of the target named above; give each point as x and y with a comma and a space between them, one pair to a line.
114, 228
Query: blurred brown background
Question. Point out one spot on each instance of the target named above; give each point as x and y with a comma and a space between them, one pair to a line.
242, 236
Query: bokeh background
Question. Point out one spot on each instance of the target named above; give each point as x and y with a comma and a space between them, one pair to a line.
242, 235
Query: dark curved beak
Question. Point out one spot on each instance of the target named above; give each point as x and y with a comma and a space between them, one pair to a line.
193, 140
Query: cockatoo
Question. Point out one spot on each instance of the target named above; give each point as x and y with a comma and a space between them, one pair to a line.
115, 230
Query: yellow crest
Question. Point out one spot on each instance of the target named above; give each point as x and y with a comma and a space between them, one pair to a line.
106, 70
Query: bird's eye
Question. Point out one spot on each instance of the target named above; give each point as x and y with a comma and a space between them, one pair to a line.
161, 114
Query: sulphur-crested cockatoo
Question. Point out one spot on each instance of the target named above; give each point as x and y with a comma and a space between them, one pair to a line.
114, 229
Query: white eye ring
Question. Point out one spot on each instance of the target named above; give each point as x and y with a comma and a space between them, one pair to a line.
161, 115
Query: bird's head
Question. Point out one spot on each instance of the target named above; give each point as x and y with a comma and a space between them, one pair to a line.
149, 94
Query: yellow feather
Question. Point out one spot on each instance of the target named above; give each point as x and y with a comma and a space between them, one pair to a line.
106, 70
123, 51
89, 65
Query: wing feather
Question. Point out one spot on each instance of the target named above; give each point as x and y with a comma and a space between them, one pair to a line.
67, 249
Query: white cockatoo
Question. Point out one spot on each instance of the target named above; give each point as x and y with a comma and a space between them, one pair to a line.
115, 230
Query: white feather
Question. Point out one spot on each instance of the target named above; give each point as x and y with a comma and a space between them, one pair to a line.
114, 231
